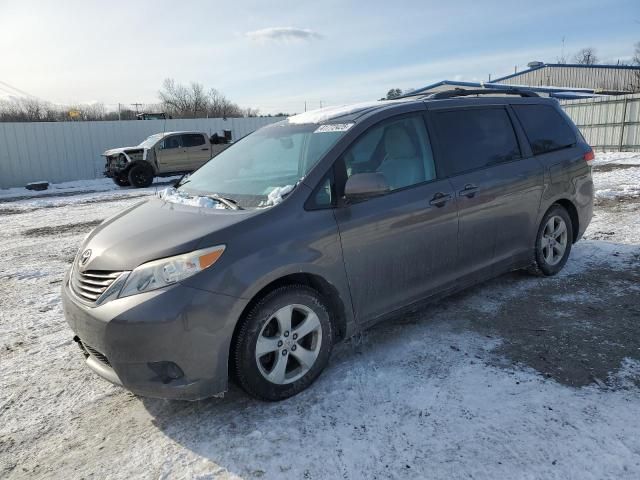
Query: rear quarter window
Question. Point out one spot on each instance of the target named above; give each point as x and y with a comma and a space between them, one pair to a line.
545, 128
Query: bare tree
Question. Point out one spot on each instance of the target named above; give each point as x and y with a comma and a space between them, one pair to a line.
191, 101
586, 56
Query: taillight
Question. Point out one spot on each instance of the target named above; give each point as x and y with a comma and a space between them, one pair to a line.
589, 157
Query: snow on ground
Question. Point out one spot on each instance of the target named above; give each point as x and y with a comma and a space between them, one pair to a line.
74, 188
473, 386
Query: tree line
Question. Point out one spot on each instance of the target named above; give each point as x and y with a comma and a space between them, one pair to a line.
175, 101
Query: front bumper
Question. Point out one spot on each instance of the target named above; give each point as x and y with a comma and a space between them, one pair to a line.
129, 341
113, 167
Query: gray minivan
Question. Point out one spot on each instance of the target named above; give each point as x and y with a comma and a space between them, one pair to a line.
318, 226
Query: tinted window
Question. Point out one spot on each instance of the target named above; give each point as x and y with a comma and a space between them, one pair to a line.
397, 148
475, 138
192, 140
545, 128
172, 142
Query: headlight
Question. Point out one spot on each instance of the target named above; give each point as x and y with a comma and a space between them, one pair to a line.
166, 271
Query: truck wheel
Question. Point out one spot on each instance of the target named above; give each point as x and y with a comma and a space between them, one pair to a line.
121, 180
283, 344
140, 176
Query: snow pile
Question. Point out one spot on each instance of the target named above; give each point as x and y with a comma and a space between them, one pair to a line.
276, 196
616, 183
619, 158
172, 195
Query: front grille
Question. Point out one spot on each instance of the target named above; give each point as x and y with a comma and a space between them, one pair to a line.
90, 285
96, 354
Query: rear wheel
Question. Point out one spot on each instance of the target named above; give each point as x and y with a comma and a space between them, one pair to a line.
141, 176
553, 242
283, 344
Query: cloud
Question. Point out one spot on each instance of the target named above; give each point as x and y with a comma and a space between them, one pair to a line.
283, 33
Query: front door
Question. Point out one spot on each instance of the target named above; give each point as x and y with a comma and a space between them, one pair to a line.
498, 190
402, 246
172, 156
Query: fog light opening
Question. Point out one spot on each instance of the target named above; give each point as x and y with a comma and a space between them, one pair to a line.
167, 372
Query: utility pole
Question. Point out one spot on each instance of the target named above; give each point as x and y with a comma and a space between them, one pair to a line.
489, 78
119, 118
305, 105
137, 105
320, 103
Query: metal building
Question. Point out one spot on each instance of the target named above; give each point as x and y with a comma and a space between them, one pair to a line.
605, 79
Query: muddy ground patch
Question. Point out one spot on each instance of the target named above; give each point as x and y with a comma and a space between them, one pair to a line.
69, 228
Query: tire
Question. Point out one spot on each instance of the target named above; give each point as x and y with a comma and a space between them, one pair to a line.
141, 176
266, 355
121, 180
553, 242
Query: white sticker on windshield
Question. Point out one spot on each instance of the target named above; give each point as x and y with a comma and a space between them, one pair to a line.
333, 127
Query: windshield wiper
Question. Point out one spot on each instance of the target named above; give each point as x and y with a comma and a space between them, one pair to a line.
227, 202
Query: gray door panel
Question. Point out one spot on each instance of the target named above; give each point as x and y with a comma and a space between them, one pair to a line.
398, 248
498, 221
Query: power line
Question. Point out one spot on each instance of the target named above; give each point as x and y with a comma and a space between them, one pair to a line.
22, 92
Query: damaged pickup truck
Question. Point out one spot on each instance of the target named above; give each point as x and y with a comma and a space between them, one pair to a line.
161, 155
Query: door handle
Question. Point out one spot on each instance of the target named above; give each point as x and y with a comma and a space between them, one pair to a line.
440, 199
204, 149
469, 190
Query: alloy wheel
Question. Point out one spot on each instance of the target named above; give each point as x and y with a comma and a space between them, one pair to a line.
288, 344
553, 242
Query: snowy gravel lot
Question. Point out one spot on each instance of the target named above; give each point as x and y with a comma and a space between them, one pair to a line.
521, 377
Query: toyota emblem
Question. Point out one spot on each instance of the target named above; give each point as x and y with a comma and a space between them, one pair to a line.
84, 258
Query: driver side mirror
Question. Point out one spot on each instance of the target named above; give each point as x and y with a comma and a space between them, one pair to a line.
362, 186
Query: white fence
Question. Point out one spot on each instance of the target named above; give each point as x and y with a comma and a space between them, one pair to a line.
608, 123
65, 151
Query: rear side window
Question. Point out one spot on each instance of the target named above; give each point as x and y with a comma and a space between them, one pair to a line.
546, 129
475, 138
192, 140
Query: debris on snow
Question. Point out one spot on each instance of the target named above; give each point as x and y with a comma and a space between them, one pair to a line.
40, 185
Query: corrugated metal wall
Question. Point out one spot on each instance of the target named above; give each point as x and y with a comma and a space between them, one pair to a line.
608, 123
619, 79
65, 151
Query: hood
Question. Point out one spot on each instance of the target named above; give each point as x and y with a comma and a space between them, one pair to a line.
155, 229
116, 151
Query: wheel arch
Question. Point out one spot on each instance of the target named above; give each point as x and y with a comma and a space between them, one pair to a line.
142, 163
329, 293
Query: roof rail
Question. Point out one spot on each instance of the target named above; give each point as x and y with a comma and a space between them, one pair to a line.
461, 92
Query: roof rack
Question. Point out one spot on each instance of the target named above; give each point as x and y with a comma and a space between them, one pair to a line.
461, 92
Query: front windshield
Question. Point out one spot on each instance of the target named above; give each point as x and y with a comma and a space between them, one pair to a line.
264, 165
151, 141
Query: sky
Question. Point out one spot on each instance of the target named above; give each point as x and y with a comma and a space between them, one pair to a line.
276, 55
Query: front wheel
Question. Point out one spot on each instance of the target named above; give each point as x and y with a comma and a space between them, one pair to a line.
140, 176
121, 180
284, 343
553, 242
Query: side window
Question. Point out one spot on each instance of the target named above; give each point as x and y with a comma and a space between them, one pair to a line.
323, 196
192, 140
172, 142
398, 148
545, 128
475, 138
